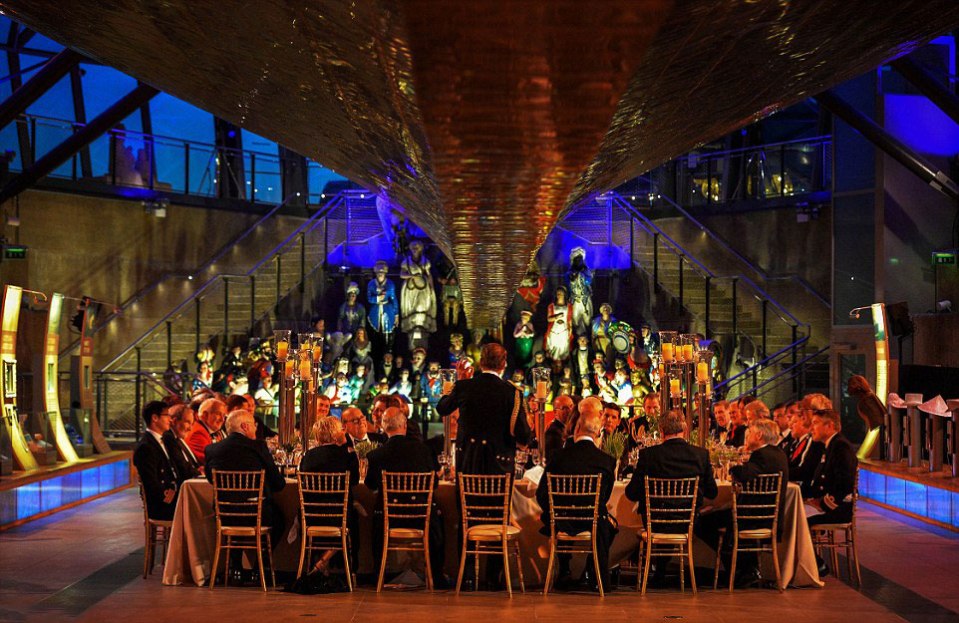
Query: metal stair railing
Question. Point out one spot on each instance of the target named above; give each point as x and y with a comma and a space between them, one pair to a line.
794, 373
199, 271
115, 387
276, 254
766, 302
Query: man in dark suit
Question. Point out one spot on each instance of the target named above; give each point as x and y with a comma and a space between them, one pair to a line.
674, 458
832, 484
583, 457
175, 441
765, 458
357, 428
156, 470
241, 451
402, 453
555, 435
492, 420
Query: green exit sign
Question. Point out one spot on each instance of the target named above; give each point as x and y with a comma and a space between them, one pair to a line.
14, 252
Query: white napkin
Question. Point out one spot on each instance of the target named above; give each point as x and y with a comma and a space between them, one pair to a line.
534, 474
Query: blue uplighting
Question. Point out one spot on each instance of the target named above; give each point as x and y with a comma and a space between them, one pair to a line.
39, 497
919, 499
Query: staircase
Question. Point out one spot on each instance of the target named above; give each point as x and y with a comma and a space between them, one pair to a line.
759, 336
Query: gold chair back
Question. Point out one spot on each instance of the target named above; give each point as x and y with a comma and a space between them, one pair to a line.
486, 499
324, 498
407, 497
671, 504
237, 498
573, 498
756, 503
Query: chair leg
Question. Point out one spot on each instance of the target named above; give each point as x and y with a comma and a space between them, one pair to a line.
692, 567
259, 561
855, 556
346, 561
146, 551
216, 562
719, 548
835, 553
386, 549
599, 577
303, 541
476, 561
649, 551
519, 566
775, 553
682, 570
426, 556
549, 565
732, 562
509, 583
459, 577
269, 555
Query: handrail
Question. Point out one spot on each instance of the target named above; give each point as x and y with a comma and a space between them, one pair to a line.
763, 295
759, 365
306, 226
816, 140
138, 296
779, 377
739, 256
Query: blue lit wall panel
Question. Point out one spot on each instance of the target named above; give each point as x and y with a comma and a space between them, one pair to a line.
72, 487
28, 500
8, 506
51, 495
916, 498
89, 482
939, 505
896, 492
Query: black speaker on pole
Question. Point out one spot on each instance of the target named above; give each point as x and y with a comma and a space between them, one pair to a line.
900, 325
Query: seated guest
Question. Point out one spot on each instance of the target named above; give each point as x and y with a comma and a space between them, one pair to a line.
807, 455
334, 455
781, 418
674, 458
831, 487
242, 452
583, 457
765, 458
402, 453
720, 424
357, 428
247, 403
755, 410
381, 403
176, 440
613, 423
555, 435
209, 422
737, 425
156, 470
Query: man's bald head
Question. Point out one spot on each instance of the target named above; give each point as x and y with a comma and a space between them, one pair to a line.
563, 408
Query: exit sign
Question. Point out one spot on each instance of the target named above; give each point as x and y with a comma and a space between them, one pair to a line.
943, 258
14, 252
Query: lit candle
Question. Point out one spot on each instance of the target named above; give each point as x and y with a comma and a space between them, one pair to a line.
673, 387
702, 372
687, 352
289, 368
667, 353
305, 371
541, 390
317, 352
282, 348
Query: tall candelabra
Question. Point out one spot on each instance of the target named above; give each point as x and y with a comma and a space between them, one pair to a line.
540, 393
704, 360
681, 364
301, 367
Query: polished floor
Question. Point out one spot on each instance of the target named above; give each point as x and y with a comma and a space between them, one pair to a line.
85, 565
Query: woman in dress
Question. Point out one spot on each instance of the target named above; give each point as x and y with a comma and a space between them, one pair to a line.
559, 329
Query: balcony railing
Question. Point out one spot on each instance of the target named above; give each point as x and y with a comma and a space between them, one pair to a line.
147, 162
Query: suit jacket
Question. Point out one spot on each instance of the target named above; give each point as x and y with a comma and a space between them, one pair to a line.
836, 475
736, 437
674, 458
553, 439
332, 459
200, 438
400, 454
158, 474
241, 454
766, 460
186, 465
378, 438
805, 458
485, 403
583, 457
